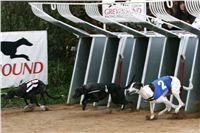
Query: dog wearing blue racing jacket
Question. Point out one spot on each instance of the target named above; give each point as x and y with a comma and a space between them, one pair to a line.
156, 91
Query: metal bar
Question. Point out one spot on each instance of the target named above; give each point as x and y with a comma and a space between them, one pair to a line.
65, 12
38, 11
162, 58
185, 26
131, 62
144, 71
191, 75
158, 30
99, 2
73, 73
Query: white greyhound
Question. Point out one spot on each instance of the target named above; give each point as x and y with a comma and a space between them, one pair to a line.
156, 91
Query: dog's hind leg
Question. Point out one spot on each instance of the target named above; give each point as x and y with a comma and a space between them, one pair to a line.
43, 107
180, 102
164, 110
167, 103
33, 100
25, 100
43, 99
176, 86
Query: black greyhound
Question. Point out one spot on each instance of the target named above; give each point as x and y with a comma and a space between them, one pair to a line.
10, 48
94, 92
29, 91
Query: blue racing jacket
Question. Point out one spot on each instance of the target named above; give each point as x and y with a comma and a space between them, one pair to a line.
161, 85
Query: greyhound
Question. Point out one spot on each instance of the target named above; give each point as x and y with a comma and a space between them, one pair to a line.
94, 92
29, 90
156, 92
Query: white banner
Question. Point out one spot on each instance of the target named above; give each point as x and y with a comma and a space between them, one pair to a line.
23, 56
117, 10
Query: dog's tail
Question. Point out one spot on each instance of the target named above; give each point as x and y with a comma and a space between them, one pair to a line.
54, 97
47, 94
126, 87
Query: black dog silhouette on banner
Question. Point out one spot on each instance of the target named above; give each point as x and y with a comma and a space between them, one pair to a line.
10, 48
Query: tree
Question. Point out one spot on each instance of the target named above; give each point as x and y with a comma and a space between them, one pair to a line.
18, 16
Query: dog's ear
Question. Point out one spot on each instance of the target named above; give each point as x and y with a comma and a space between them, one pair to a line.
138, 85
78, 92
141, 84
83, 90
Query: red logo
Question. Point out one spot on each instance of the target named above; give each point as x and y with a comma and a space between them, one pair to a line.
21, 68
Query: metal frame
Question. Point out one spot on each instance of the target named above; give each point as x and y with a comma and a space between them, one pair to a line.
38, 11
65, 12
158, 10
93, 12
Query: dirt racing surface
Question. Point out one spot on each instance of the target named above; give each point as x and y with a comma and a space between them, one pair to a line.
71, 119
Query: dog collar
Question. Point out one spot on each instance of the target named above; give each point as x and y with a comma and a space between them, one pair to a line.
94, 91
150, 99
151, 87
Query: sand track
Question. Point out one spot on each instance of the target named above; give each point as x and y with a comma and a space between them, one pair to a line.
71, 119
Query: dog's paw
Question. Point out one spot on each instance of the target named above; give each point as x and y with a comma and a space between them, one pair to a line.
178, 116
178, 108
43, 108
28, 108
83, 107
109, 111
151, 117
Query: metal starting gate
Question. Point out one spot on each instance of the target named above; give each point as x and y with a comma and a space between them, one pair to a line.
106, 56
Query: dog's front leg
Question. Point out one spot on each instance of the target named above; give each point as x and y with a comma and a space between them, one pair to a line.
166, 102
109, 100
84, 103
122, 106
25, 100
152, 115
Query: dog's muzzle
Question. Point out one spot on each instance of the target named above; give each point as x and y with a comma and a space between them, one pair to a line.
131, 92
